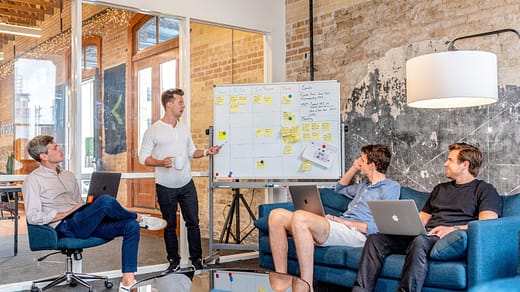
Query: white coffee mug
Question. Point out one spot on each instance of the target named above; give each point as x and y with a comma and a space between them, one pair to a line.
178, 162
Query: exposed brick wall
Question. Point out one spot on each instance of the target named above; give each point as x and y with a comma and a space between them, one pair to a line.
219, 56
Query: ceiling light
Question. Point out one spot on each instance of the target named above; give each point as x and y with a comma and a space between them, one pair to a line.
454, 78
20, 30
1, 56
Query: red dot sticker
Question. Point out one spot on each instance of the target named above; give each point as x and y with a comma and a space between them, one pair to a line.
324, 146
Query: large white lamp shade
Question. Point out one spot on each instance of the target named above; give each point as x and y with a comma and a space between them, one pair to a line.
452, 79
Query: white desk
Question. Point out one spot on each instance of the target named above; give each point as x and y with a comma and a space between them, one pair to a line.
15, 189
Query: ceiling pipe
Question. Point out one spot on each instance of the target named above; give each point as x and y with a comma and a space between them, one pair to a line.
311, 41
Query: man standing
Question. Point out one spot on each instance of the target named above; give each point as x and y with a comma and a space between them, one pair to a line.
167, 145
351, 228
450, 207
52, 196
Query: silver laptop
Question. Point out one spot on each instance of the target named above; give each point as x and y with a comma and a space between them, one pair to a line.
103, 183
307, 197
397, 217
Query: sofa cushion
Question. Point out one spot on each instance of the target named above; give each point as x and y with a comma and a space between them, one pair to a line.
451, 247
510, 205
441, 274
334, 203
262, 224
419, 197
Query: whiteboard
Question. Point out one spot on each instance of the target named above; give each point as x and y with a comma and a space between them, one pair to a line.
278, 130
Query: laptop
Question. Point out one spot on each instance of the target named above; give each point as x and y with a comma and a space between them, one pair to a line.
307, 197
103, 183
397, 217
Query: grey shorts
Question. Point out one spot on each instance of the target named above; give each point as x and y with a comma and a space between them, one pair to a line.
340, 234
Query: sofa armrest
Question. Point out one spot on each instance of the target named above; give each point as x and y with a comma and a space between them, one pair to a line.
492, 249
265, 209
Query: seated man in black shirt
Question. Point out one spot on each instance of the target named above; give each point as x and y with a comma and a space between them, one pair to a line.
450, 206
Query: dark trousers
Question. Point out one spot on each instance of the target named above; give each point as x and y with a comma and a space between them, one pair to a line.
378, 246
186, 197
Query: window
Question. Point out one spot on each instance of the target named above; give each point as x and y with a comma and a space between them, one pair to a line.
156, 30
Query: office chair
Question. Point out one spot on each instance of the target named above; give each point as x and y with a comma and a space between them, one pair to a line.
43, 237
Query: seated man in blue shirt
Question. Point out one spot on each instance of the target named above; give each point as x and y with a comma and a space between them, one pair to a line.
351, 228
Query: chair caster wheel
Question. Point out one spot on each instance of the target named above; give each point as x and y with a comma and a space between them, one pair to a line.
73, 284
35, 289
109, 284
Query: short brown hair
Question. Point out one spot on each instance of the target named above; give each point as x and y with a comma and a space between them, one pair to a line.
38, 145
168, 95
379, 154
470, 154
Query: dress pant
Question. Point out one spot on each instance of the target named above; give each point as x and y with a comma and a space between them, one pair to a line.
378, 246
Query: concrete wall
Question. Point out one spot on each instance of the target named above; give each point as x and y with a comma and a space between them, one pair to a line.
365, 46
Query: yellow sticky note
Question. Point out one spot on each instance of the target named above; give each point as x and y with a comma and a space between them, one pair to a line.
222, 135
306, 127
268, 100
286, 99
306, 165
219, 100
243, 100
325, 126
260, 164
234, 99
262, 289
295, 139
289, 117
268, 132
233, 108
295, 131
259, 132
285, 131
288, 149
306, 137
315, 136
327, 137
257, 99
315, 126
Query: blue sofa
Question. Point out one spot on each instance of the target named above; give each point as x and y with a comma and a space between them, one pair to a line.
492, 250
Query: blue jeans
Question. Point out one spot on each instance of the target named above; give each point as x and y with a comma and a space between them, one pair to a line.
186, 197
378, 246
105, 218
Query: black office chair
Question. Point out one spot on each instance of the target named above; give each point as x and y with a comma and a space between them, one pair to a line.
43, 237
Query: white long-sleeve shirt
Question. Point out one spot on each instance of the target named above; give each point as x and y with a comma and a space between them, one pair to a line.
162, 140
45, 193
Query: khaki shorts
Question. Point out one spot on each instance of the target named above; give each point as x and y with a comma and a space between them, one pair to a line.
341, 234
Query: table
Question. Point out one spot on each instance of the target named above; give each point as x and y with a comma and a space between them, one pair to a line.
220, 280
15, 189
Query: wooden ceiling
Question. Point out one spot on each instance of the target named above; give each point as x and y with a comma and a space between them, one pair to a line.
28, 13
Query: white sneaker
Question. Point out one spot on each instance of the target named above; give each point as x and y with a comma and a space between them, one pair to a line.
126, 289
152, 223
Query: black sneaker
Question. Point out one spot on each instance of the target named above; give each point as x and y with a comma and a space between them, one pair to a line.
174, 266
197, 264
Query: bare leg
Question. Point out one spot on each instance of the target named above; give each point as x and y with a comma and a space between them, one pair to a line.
279, 226
307, 229
128, 279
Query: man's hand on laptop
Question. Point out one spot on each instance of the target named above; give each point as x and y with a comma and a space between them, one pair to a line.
61, 215
441, 231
